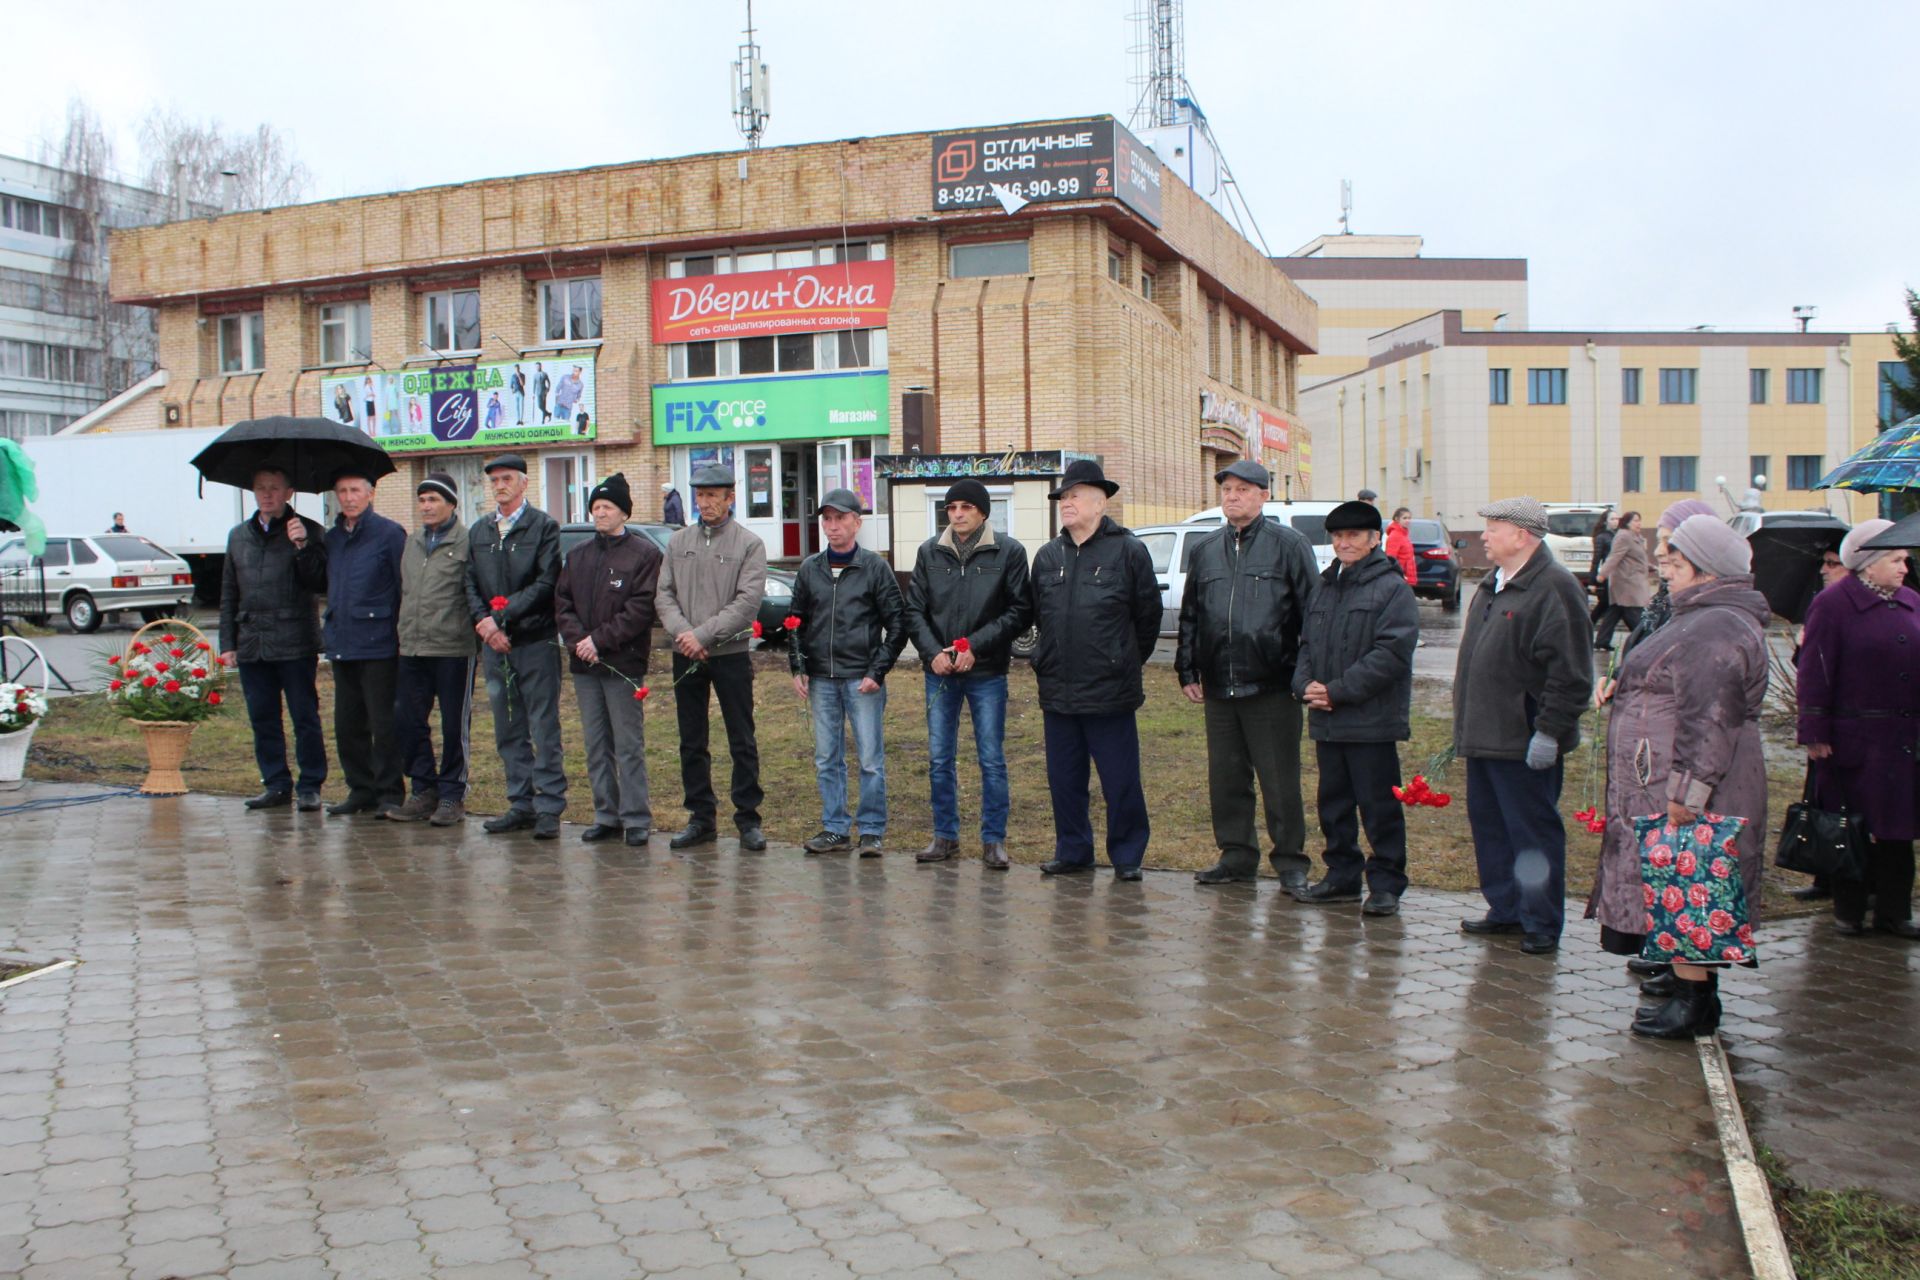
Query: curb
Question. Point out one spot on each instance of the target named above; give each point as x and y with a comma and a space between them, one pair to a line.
1752, 1198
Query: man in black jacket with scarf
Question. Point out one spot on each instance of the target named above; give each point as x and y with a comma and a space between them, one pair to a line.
1247, 592
1355, 673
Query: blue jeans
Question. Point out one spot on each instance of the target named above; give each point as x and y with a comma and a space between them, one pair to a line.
834, 703
987, 698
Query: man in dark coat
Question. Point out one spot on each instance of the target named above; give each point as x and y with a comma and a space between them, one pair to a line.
361, 642
276, 569
966, 605
1355, 674
1523, 680
604, 600
1247, 591
1098, 606
515, 562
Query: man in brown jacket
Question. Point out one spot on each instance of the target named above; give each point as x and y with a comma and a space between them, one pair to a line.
710, 589
604, 602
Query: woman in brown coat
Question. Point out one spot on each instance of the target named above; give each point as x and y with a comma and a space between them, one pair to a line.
1628, 575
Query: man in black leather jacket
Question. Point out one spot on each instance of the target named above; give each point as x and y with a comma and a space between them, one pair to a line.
1247, 591
510, 579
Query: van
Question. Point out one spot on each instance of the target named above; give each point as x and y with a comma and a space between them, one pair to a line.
1308, 518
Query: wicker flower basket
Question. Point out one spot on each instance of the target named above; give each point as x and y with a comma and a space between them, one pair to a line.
191, 678
166, 752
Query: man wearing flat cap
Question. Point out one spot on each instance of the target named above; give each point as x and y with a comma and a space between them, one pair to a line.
359, 638
510, 579
437, 647
1524, 678
966, 605
1355, 674
1248, 588
711, 585
852, 629
604, 602
1097, 603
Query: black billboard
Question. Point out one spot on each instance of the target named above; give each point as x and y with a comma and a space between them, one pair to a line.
1078, 160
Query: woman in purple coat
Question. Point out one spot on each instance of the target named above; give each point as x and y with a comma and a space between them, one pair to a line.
1860, 722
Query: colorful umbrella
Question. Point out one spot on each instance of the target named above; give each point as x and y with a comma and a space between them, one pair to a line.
1890, 462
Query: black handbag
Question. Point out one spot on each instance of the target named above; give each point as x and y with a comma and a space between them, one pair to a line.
1823, 842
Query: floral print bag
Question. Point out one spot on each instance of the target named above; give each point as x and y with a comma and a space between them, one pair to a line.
1696, 906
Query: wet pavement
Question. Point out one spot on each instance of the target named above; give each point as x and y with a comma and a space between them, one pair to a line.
302, 1046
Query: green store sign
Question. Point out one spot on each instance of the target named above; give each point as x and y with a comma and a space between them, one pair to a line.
744, 410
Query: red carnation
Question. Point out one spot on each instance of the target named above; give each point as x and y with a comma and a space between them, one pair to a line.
148, 683
204, 647
791, 622
160, 667
172, 686
963, 645
114, 661
758, 630
168, 639
199, 673
178, 653
497, 603
213, 699
141, 648
115, 684
640, 694
1440, 800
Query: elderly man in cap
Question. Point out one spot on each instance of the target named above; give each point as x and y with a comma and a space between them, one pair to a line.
437, 648
1248, 586
1356, 676
1097, 603
605, 602
852, 629
711, 585
1524, 678
516, 560
358, 636
966, 605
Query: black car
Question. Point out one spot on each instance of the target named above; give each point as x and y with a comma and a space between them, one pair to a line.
1433, 556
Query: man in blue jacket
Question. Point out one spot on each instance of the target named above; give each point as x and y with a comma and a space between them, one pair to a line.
359, 635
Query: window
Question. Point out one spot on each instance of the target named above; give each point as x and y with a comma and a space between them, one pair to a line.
854, 349
998, 517
55, 556
822, 254
37, 218
1676, 387
1756, 386
1679, 475
795, 351
1759, 465
756, 355
1803, 386
1629, 386
1004, 258
788, 353
1804, 470
1497, 386
20, 424
346, 333
48, 362
1630, 472
1893, 374
453, 320
570, 310
1546, 386
243, 342
1146, 285
1116, 267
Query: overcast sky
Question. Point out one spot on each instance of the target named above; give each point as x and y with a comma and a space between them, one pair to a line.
1660, 164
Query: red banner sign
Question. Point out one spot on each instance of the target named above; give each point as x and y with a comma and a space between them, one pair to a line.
846, 295
1274, 432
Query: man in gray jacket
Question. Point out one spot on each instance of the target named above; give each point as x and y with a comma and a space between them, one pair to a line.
437, 647
1355, 673
711, 584
1524, 679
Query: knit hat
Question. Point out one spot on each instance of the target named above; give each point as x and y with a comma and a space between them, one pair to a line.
971, 492
1670, 518
1353, 515
1522, 513
1855, 556
1711, 546
613, 489
441, 483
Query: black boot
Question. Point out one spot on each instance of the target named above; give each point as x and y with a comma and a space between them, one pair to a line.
1693, 1011
1661, 987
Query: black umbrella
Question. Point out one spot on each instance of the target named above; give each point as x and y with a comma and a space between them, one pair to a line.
312, 451
1786, 562
1905, 535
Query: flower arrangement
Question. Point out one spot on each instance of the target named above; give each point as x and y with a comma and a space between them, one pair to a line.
176, 680
20, 707
1417, 791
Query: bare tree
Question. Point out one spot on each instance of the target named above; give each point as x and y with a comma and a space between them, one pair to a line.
192, 157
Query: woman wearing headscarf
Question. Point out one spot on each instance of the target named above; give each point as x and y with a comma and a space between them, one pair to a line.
1859, 690
1684, 739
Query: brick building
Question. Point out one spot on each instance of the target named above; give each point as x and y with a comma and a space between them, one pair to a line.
794, 312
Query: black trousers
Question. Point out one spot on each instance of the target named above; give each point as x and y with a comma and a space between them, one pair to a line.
265, 685
421, 683
1615, 615
1890, 883
1361, 776
363, 729
730, 678
1248, 739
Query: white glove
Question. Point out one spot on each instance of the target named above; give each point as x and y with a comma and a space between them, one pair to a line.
1542, 751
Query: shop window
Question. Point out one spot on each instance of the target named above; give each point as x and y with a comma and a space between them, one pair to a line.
756, 355
1630, 472
854, 251
1497, 385
1805, 469
1546, 386
1803, 386
453, 320
1756, 386
792, 259
346, 333
570, 310
1629, 386
1678, 474
796, 351
243, 342
854, 349
1000, 258
702, 265
759, 260
1677, 387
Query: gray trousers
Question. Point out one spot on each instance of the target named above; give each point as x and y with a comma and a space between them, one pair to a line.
616, 736
526, 724
1249, 738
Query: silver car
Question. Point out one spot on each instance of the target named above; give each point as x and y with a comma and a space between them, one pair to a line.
86, 578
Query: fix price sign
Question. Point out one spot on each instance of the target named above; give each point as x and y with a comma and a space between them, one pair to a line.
1077, 160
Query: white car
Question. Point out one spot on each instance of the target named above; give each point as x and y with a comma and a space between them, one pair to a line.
1570, 535
1309, 518
87, 577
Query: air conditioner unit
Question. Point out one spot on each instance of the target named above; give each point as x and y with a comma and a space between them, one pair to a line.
1411, 462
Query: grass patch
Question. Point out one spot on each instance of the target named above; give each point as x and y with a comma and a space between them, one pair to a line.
1844, 1235
15, 968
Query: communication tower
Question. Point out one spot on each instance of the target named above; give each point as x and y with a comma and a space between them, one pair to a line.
748, 87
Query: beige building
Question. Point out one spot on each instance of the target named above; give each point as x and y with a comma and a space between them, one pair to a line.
797, 313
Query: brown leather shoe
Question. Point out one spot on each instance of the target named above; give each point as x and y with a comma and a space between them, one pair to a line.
418, 808
995, 856
939, 851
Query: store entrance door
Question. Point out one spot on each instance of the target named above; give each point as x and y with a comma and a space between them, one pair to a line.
756, 499
799, 483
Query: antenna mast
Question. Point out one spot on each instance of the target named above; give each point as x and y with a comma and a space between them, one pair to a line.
1346, 206
748, 87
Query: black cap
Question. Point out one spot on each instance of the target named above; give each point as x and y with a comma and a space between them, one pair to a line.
613, 489
441, 483
840, 500
1245, 469
1085, 471
970, 491
506, 462
712, 476
1354, 515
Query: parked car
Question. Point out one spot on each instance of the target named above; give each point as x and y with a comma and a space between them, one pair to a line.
1309, 518
1171, 546
775, 606
1748, 523
1438, 566
1570, 535
87, 578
